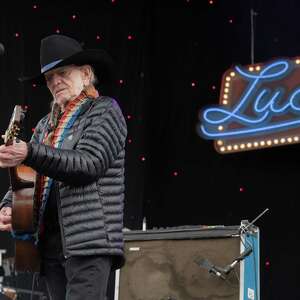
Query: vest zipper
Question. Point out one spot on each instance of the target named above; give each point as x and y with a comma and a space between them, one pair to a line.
60, 219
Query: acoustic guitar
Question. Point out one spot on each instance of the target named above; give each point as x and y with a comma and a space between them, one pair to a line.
24, 204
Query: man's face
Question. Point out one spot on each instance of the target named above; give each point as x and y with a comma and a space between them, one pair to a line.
65, 83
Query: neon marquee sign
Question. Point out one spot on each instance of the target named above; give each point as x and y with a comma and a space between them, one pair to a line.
259, 107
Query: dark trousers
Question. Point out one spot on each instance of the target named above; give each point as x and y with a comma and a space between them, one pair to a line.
77, 278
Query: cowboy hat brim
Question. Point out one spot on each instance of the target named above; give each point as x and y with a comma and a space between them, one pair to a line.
99, 59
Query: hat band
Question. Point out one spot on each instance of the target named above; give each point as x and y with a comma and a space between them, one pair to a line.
51, 65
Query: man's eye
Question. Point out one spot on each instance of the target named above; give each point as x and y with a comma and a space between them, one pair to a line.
48, 78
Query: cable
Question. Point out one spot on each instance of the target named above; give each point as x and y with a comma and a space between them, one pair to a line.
33, 283
252, 14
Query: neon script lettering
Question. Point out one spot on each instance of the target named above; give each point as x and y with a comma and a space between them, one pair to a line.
259, 109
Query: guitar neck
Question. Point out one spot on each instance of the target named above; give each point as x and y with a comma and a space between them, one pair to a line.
17, 180
12, 171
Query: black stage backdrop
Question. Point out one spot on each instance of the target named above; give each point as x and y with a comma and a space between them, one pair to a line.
171, 56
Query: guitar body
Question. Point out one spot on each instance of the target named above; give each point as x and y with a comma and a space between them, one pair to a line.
25, 218
24, 204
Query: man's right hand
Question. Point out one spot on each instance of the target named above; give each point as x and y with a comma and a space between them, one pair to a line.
5, 219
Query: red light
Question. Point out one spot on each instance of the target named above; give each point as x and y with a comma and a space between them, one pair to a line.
193, 84
241, 189
129, 117
17, 34
34, 85
143, 158
121, 81
32, 129
211, 2
230, 21
129, 141
130, 37
213, 87
35, 6
74, 17
57, 31
175, 173
98, 37
267, 263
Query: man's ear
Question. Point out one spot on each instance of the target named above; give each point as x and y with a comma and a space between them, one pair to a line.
87, 74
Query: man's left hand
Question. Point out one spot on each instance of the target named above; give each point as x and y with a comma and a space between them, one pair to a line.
13, 155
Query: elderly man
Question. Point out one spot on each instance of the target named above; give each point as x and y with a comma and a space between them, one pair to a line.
78, 152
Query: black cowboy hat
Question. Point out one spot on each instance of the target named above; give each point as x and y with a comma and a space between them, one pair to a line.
59, 50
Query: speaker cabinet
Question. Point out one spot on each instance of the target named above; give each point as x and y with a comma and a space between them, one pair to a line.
180, 264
